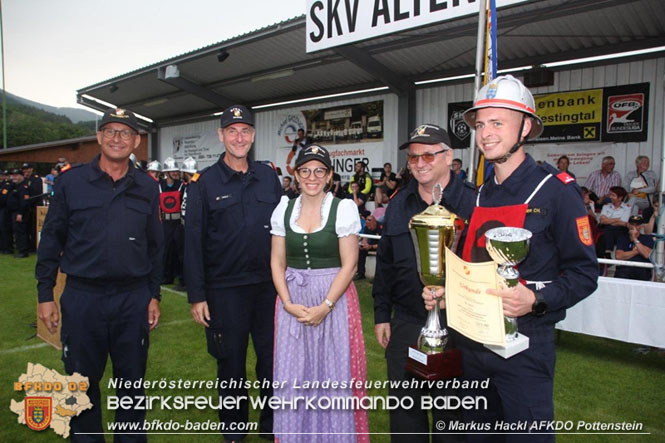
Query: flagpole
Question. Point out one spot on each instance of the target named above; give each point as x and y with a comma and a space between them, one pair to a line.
480, 51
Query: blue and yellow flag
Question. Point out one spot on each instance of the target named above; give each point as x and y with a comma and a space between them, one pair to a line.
484, 168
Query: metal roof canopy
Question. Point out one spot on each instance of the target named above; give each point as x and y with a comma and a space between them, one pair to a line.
270, 65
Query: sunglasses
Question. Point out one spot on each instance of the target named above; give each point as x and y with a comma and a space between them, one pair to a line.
427, 157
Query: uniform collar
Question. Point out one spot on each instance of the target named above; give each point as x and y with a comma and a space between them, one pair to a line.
515, 182
227, 173
96, 172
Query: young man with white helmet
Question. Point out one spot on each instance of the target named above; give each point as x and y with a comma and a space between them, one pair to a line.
560, 270
154, 169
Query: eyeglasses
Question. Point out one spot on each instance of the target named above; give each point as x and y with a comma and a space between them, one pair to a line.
124, 134
318, 172
427, 157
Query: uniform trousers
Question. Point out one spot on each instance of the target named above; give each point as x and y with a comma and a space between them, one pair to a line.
174, 234
5, 231
20, 234
236, 313
98, 321
520, 390
412, 425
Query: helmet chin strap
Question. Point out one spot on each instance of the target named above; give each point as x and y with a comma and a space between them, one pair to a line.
515, 147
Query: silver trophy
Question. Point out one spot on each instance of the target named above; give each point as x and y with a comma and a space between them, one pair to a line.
508, 247
432, 231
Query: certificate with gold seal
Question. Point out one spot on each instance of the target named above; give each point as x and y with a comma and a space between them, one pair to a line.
469, 309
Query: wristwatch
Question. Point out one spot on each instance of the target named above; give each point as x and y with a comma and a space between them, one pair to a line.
539, 307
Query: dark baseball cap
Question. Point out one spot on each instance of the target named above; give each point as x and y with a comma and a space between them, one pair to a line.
636, 220
314, 152
427, 134
16, 171
119, 115
26, 166
236, 114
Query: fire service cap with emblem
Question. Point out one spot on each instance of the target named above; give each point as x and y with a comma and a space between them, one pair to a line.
118, 115
427, 134
236, 114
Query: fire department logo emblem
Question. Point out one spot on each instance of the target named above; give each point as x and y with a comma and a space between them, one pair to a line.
120, 113
237, 113
38, 412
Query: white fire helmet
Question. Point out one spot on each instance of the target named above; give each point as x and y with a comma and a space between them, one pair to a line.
189, 165
170, 165
154, 166
509, 93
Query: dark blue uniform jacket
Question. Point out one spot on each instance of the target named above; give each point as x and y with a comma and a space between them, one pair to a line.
556, 251
227, 234
108, 232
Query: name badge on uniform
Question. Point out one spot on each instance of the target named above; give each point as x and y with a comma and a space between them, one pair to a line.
223, 197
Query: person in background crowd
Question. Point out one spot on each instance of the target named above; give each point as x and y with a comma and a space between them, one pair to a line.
18, 205
337, 189
6, 240
171, 189
227, 256
634, 246
563, 163
358, 198
457, 168
599, 182
318, 334
651, 216
35, 190
50, 179
154, 169
372, 227
640, 184
362, 178
288, 188
591, 213
103, 230
301, 142
613, 220
386, 186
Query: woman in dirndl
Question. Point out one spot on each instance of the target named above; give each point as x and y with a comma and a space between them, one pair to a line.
319, 347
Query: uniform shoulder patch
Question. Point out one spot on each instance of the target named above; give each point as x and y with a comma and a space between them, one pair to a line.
565, 178
584, 230
195, 177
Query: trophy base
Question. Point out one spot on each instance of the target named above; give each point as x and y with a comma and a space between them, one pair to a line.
512, 347
447, 364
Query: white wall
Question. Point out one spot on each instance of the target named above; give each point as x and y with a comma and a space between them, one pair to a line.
432, 107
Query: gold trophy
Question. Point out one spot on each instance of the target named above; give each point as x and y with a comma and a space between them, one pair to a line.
432, 231
508, 247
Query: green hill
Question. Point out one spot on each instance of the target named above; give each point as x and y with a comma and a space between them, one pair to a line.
27, 125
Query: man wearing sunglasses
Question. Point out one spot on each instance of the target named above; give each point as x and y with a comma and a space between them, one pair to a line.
103, 230
559, 271
227, 264
399, 314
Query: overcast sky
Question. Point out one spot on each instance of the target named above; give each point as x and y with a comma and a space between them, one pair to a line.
54, 47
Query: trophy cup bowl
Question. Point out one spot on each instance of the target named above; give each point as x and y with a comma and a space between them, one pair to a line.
432, 231
508, 247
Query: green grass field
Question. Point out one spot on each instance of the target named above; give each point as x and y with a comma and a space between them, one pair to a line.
596, 379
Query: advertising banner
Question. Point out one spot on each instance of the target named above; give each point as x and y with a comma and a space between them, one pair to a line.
612, 114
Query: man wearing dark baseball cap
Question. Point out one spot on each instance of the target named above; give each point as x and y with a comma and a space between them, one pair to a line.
399, 313
636, 247
227, 252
